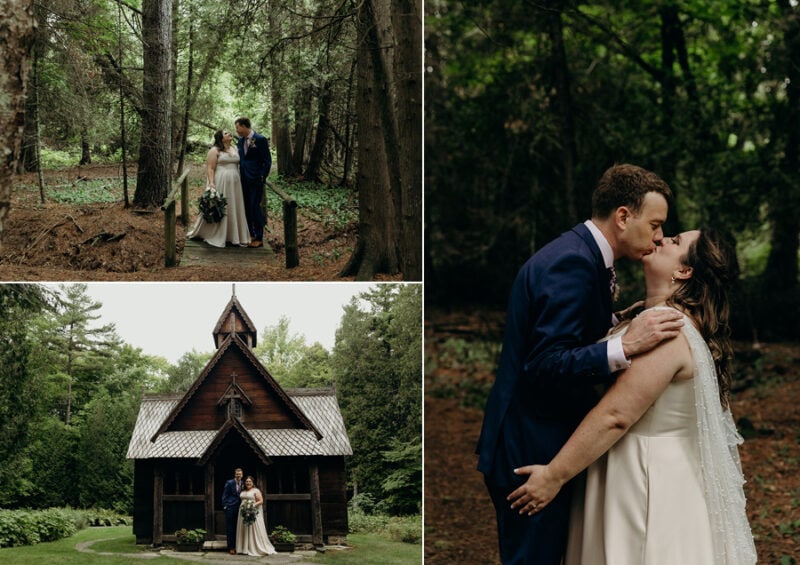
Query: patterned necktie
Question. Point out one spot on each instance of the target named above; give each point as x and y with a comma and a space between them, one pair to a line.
613, 283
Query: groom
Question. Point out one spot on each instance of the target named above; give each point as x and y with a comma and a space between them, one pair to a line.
255, 161
550, 364
231, 502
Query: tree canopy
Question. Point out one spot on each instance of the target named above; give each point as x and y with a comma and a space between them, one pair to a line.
528, 103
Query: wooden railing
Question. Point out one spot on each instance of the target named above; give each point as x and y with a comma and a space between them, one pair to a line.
180, 186
289, 226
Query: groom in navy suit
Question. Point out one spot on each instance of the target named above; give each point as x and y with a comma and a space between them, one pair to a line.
255, 161
551, 361
231, 503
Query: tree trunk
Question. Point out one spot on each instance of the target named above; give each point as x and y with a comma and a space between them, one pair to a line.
86, 154
321, 139
281, 132
16, 42
407, 23
376, 248
153, 176
780, 274
123, 134
348, 129
184, 130
302, 129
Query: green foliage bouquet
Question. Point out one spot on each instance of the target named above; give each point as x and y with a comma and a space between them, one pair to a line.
212, 205
249, 512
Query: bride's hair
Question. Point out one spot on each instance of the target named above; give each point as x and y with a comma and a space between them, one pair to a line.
218, 140
704, 297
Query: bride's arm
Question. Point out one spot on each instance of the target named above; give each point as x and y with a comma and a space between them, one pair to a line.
211, 166
626, 401
259, 498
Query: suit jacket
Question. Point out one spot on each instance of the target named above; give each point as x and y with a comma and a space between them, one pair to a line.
550, 363
229, 495
258, 161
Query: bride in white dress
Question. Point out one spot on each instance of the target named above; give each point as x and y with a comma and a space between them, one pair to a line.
664, 480
252, 539
222, 174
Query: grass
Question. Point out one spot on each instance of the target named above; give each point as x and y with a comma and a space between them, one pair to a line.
367, 548
371, 548
64, 552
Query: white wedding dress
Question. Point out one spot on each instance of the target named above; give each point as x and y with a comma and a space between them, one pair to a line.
233, 226
252, 539
670, 490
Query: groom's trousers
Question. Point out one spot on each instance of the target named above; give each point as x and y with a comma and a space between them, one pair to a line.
540, 539
231, 516
253, 192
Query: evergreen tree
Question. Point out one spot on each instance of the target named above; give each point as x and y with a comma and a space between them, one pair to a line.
377, 366
19, 403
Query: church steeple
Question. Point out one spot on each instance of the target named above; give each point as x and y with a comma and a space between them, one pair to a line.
235, 320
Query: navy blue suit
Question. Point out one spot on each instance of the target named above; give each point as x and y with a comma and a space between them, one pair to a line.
231, 503
560, 305
254, 168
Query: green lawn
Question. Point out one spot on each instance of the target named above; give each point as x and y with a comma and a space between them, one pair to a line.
370, 548
119, 541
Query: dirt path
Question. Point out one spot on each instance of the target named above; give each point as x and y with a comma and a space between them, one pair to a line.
108, 242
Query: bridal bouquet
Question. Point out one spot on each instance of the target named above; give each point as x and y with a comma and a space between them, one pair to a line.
212, 206
248, 512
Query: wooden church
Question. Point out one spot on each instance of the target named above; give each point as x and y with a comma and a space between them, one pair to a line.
292, 441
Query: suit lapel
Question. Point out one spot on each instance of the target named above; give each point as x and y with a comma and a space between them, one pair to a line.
603, 274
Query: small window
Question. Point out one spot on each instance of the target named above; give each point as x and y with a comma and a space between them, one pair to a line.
235, 407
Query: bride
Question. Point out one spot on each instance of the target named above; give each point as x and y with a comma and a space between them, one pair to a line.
664, 483
251, 536
222, 175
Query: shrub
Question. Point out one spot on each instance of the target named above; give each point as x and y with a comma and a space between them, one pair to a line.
28, 527
361, 523
407, 529
282, 534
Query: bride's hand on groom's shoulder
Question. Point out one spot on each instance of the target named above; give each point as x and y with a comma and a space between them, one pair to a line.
537, 492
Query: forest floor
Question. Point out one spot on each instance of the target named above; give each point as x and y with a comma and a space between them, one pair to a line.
461, 349
108, 242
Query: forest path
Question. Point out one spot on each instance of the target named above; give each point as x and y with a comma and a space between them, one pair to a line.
197, 253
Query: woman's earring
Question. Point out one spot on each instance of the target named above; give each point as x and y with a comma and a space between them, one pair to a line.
673, 279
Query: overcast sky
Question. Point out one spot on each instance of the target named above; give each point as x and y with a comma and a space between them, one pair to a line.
169, 319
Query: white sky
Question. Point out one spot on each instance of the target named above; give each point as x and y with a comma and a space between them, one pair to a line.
169, 319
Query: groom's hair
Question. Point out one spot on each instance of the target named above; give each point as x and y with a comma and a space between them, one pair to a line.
243, 122
626, 185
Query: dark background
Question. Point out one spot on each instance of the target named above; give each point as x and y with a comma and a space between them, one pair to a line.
527, 103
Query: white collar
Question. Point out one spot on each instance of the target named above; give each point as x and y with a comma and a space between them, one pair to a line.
602, 243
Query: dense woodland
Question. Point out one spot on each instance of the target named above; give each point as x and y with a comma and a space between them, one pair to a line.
335, 85
70, 390
527, 103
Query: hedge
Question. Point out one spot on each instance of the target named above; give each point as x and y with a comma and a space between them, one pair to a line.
28, 527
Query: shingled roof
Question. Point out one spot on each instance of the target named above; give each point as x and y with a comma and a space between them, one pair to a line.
319, 405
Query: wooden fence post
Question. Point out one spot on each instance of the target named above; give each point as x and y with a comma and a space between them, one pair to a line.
170, 223
185, 201
290, 233
289, 227
169, 235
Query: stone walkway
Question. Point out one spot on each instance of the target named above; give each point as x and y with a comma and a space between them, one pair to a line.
212, 557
